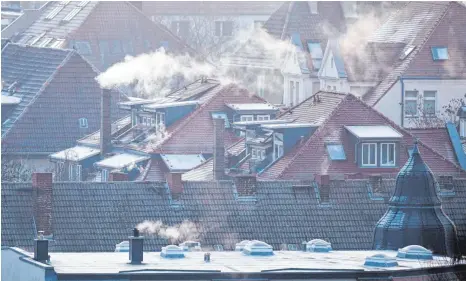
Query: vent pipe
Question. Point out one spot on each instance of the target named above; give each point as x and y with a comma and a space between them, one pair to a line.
41, 248
105, 122
136, 247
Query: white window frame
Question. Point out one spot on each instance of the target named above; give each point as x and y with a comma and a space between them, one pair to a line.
262, 154
291, 87
222, 27
388, 152
277, 147
296, 86
246, 118
253, 153
78, 172
160, 120
260, 85
430, 99
264, 117
411, 99
369, 144
71, 172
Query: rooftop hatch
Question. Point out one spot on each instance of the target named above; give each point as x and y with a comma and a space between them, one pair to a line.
258, 248
172, 252
414, 252
380, 260
318, 245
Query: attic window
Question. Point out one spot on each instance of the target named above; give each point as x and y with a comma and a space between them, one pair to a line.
83, 123
336, 152
440, 53
315, 50
72, 14
445, 184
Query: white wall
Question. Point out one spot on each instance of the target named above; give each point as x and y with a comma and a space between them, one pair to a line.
447, 90
15, 269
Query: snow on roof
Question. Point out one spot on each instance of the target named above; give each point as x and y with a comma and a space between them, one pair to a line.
10, 100
252, 106
373, 132
170, 104
289, 125
76, 153
182, 162
121, 160
262, 122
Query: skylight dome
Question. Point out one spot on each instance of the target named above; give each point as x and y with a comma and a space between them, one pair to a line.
380, 260
318, 245
122, 247
240, 246
191, 246
414, 252
258, 248
172, 252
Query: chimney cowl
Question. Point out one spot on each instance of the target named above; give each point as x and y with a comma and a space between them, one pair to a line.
41, 248
136, 247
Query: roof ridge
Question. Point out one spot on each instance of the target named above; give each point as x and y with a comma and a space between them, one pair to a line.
314, 135
41, 90
411, 56
39, 47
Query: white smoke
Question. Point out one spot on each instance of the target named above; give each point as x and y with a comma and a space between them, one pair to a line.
155, 74
187, 230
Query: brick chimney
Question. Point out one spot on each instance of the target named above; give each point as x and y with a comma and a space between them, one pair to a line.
246, 184
175, 184
105, 122
118, 176
219, 149
42, 195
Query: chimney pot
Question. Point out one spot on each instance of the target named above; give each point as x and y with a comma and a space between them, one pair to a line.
41, 248
136, 247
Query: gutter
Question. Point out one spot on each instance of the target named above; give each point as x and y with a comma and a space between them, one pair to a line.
402, 101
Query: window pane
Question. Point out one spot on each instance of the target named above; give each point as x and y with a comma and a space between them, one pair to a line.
411, 94
297, 93
384, 153
411, 108
365, 154
429, 94
391, 154
429, 107
372, 154
227, 28
218, 28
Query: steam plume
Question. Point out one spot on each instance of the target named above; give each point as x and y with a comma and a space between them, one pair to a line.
187, 230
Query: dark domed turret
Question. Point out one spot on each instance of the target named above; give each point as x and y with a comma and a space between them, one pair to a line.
415, 216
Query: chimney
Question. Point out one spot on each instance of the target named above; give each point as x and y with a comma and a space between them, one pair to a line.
42, 194
118, 176
136, 247
105, 122
219, 148
175, 184
245, 185
41, 248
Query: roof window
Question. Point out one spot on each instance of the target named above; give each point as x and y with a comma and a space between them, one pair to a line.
380, 260
318, 245
414, 252
122, 247
172, 252
440, 53
258, 248
336, 152
83, 123
190, 246
240, 246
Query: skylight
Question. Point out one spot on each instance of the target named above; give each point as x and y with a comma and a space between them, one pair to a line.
408, 50
440, 53
336, 152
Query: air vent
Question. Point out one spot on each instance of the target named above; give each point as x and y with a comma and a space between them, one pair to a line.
380, 260
122, 247
190, 246
240, 246
258, 248
318, 245
414, 252
172, 252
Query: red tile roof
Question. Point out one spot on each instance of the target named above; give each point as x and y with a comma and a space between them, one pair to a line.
311, 158
438, 139
424, 25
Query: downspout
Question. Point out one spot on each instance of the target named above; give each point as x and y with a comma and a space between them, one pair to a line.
402, 101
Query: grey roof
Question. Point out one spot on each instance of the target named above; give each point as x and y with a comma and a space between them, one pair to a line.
31, 69
96, 216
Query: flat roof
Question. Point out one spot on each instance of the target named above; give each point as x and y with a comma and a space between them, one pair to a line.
182, 162
371, 132
232, 262
289, 125
252, 106
10, 100
170, 104
122, 160
76, 153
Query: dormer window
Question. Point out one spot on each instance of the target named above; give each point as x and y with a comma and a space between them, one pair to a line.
440, 53
369, 154
277, 146
160, 119
263, 117
245, 118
